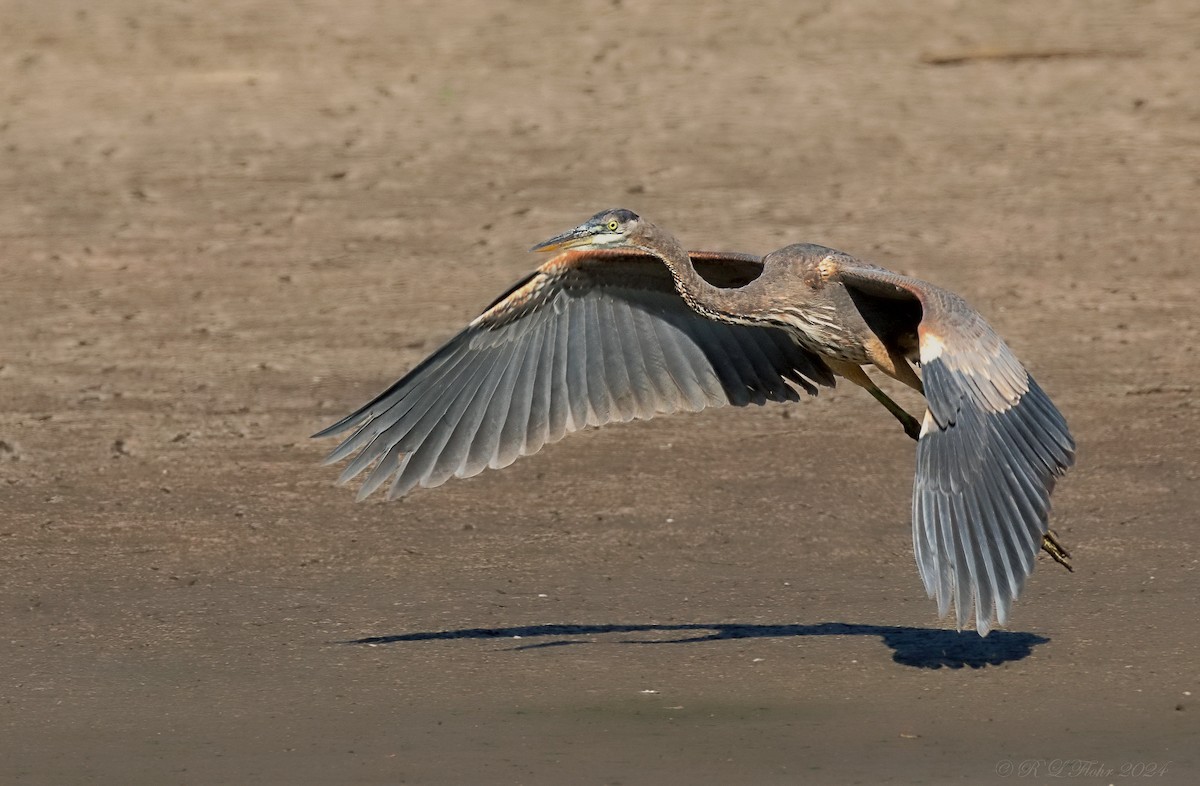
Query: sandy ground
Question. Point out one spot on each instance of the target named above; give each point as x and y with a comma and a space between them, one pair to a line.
222, 225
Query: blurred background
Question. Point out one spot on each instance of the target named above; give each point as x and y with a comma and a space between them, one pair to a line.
225, 224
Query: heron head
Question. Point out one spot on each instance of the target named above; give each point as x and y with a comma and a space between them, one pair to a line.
607, 229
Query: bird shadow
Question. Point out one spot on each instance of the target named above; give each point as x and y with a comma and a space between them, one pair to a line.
923, 648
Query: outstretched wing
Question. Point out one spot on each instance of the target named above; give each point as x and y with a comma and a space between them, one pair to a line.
589, 338
992, 445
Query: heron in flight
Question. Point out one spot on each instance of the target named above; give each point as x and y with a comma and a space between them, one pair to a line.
623, 323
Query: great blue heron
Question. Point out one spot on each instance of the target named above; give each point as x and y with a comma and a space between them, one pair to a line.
605, 332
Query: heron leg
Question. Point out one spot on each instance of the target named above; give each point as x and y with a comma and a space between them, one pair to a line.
912, 426
892, 362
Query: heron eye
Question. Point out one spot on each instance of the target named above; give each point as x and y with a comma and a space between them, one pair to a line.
612, 225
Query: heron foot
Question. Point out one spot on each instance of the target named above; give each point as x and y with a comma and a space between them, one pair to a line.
1056, 550
912, 427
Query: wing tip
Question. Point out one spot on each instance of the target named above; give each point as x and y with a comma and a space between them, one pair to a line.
335, 428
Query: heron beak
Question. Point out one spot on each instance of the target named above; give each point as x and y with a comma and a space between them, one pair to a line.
579, 236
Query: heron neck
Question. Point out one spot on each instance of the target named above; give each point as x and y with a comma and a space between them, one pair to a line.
711, 301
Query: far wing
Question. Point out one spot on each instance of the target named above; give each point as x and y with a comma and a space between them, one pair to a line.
992, 445
589, 338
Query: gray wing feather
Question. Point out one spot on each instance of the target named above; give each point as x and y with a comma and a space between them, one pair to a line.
719, 362
675, 386
487, 442
991, 447
597, 367
461, 429
999, 465
559, 418
471, 462
1008, 558
413, 405
444, 451
738, 370
616, 368
996, 565
578, 397
516, 422
538, 423
759, 353
428, 435
562, 350
382, 471
689, 367
408, 414
641, 390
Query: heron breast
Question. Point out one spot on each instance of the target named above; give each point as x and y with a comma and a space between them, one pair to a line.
820, 331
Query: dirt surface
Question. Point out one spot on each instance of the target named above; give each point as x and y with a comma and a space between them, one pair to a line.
225, 224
